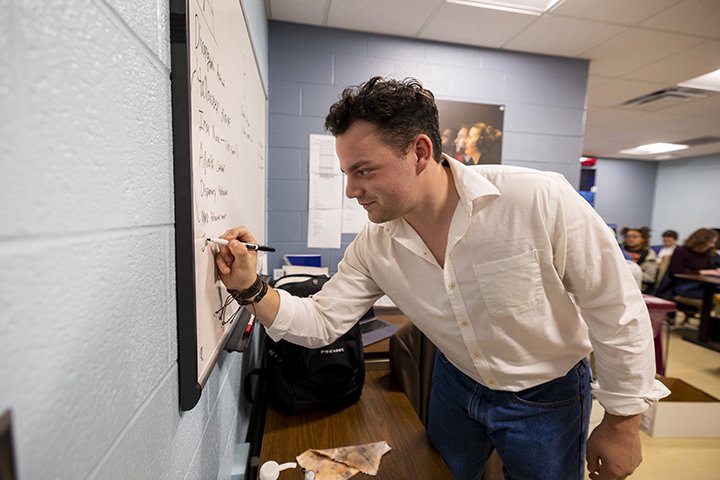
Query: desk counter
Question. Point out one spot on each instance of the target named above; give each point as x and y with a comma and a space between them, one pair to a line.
383, 413
710, 285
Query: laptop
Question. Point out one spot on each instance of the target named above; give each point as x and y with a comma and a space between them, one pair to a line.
374, 329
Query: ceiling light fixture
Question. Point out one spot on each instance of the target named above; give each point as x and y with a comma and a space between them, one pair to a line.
653, 148
528, 7
709, 81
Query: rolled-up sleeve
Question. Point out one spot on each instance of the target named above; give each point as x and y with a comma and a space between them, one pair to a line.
319, 320
593, 269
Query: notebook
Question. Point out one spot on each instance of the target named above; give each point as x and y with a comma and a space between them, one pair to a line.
374, 329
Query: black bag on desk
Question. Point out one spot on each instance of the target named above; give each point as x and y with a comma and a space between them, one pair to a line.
301, 379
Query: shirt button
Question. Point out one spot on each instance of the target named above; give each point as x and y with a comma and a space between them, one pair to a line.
478, 355
465, 323
492, 382
451, 285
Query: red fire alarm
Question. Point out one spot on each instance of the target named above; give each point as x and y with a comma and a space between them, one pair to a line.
588, 161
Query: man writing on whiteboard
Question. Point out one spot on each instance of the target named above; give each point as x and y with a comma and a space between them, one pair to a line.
492, 263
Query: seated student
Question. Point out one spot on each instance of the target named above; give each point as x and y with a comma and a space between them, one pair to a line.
636, 244
635, 269
715, 255
694, 256
669, 243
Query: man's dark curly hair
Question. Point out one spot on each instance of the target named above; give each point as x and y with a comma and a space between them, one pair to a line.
400, 109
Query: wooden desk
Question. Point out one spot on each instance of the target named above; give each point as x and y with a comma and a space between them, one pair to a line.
710, 284
383, 413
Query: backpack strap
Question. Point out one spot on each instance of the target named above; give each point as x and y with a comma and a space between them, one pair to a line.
256, 396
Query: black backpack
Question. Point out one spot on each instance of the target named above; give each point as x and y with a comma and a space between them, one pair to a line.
300, 379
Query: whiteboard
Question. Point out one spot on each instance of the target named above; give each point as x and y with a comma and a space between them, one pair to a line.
219, 138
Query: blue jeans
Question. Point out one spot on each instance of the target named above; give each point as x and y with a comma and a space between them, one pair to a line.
540, 433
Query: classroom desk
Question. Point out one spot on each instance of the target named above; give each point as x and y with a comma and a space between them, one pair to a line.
383, 413
710, 283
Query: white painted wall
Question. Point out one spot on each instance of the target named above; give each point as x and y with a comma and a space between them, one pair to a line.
87, 272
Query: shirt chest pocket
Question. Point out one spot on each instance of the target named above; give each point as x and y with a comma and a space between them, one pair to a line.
510, 286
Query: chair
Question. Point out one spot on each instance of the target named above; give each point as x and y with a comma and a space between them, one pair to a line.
662, 270
665, 288
412, 357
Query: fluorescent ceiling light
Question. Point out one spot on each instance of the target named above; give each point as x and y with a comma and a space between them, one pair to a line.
653, 148
709, 81
530, 7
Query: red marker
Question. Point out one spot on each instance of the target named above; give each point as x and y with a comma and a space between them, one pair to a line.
249, 326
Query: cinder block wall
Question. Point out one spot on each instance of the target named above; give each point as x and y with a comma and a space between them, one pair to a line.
309, 66
88, 343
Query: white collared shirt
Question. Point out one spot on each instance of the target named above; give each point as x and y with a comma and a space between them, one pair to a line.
533, 280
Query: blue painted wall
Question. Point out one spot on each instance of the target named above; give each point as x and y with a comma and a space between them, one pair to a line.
672, 194
625, 192
309, 66
686, 195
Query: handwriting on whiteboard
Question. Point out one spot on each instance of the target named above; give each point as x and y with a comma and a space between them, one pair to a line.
214, 149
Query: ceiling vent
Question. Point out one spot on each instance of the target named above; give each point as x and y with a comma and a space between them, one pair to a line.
665, 98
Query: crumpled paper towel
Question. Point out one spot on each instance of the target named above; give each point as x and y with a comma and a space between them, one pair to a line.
344, 462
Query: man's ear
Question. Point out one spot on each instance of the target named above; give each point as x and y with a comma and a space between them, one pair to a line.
423, 151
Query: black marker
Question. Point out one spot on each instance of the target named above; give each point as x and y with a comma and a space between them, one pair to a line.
249, 246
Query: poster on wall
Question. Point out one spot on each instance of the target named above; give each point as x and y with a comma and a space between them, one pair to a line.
471, 133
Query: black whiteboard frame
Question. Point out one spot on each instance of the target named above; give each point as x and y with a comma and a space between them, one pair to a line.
8, 471
190, 386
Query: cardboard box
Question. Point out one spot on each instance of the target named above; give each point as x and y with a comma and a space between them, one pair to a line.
687, 412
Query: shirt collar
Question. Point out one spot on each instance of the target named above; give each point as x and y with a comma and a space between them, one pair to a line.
473, 188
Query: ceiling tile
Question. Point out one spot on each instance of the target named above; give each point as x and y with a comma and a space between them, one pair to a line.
697, 127
683, 66
694, 17
395, 17
634, 49
597, 80
312, 13
562, 36
700, 150
636, 128
707, 108
475, 26
615, 116
623, 12
615, 92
